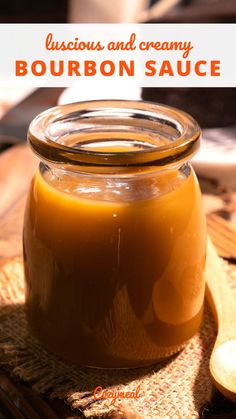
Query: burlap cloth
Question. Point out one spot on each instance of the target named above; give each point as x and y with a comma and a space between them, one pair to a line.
176, 388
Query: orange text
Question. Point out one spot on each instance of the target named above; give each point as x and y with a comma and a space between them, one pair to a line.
99, 394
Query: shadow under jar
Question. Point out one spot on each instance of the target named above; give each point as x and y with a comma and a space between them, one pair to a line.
114, 233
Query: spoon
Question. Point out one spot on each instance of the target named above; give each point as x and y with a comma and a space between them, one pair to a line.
223, 304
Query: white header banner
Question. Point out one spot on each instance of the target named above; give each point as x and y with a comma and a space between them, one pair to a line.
145, 55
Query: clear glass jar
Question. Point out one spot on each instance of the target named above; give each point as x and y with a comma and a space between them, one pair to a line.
114, 233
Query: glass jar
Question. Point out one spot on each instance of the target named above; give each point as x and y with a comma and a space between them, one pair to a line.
114, 233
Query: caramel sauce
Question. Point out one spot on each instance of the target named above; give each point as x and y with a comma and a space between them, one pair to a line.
114, 270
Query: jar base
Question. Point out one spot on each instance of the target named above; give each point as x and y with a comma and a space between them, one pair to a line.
165, 353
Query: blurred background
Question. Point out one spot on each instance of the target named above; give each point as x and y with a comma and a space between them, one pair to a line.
221, 109
213, 108
59, 11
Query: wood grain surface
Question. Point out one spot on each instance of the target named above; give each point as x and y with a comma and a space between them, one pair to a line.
17, 166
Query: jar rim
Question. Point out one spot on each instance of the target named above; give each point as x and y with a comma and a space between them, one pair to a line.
51, 147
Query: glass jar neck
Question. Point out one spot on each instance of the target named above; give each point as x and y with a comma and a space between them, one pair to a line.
114, 136
115, 187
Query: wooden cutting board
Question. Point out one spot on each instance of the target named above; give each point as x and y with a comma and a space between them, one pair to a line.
17, 166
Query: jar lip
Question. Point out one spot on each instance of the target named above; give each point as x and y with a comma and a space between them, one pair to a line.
53, 150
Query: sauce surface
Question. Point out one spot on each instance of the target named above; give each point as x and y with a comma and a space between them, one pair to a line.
115, 269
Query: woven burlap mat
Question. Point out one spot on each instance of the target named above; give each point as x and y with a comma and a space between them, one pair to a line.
176, 388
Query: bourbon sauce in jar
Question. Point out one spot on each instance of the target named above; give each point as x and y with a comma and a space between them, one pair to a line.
114, 233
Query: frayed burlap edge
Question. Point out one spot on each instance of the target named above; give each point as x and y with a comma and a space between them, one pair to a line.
175, 388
